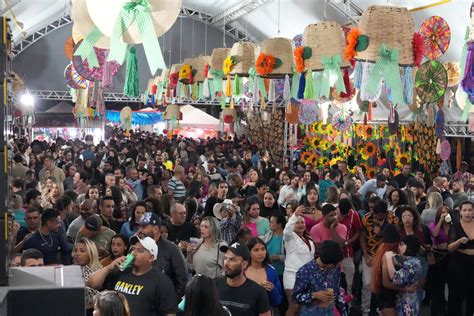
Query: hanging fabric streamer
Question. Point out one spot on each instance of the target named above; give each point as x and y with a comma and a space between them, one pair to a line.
309, 89
139, 12
287, 93
252, 74
332, 75
222, 101
86, 49
317, 82
386, 68
217, 81
131, 87
301, 86
255, 92
231, 105
237, 86
369, 112
228, 87
206, 92
295, 82
408, 85
358, 75
272, 95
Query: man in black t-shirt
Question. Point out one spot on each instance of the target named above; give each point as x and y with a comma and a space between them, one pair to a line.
241, 296
146, 289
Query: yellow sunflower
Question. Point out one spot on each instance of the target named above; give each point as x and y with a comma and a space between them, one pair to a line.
370, 149
313, 159
368, 131
382, 131
402, 159
335, 161
315, 142
305, 156
371, 173
324, 145
229, 64
323, 161
334, 148
359, 130
313, 128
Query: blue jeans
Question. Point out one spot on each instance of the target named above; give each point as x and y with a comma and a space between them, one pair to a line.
315, 310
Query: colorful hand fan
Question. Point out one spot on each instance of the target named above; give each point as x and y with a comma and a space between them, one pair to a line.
308, 112
431, 81
342, 120
73, 79
445, 150
437, 35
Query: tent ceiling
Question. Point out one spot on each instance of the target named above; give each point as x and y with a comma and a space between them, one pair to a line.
263, 22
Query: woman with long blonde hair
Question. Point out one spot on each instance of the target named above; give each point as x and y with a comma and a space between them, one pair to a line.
86, 256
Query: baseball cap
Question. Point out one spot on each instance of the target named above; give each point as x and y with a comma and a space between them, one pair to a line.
149, 218
147, 243
237, 249
93, 223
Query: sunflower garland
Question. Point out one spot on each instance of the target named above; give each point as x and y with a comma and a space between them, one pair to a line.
305, 156
359, 130
368, 131
315, 143
402, 159
371, 172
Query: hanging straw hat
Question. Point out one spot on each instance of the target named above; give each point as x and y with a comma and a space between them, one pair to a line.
83, 24
165, 75
218, 56
199, 65
104, 13
392, 26
279, 48
325, 39
245, 54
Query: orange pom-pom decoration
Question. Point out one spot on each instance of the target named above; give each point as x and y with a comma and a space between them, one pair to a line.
265, 64
299, 60
352, 37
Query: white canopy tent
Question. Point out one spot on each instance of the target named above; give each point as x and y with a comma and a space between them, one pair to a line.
196, 118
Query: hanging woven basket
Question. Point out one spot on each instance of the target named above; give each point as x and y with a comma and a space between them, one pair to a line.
325, 39
281, 51
165, 75
217, 59
199, 65
245, 54
392, 26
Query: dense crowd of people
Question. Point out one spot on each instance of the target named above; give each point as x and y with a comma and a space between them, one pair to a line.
215, 221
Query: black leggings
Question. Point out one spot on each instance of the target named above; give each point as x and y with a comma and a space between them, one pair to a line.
437, 279
461, 284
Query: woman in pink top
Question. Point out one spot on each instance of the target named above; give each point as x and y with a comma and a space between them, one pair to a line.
312, 211
437, 272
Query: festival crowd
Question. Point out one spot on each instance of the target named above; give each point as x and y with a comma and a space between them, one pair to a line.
215, 228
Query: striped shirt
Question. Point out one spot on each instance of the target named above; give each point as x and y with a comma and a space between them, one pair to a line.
178, 188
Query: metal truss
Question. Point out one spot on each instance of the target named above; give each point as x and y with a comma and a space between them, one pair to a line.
185, 13
66, 96
347, 8
36, 36
8, 5
237, 11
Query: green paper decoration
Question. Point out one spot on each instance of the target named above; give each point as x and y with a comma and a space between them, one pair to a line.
307, 53
278, 63
431, 81
131, 86
194, 71
362, 43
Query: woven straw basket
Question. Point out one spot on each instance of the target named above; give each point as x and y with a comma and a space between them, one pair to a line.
279, 47
152, 82
199, 64
245, 52
217, 59
392, 26
165, 75
175, 68
326, 39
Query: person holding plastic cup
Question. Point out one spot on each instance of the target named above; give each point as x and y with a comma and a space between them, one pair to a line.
145, 288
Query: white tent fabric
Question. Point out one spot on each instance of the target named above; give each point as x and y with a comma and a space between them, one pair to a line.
61, 108
193, 117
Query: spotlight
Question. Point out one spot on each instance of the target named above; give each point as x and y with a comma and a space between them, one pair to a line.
27, 99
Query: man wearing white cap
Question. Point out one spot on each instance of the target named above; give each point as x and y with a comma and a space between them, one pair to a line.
146, 288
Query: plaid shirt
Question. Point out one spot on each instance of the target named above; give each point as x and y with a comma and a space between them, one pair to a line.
230, 227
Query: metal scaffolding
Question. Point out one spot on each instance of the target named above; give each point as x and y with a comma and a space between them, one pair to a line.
347, 8
185, 13
66, 96
237, 11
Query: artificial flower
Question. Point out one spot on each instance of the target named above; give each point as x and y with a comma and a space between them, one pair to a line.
359, 130
266, 63
229, 64
370, 149
402, 160
185, 72
305, 156
299, 60
368, 131
350, 50
371, 172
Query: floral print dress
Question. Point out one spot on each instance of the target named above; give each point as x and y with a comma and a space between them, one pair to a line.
407, 304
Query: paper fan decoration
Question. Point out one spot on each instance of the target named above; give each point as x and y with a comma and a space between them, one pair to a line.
308, 112
96, 73
73, 79
431, 81
341, 120
445, 150
437, 35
